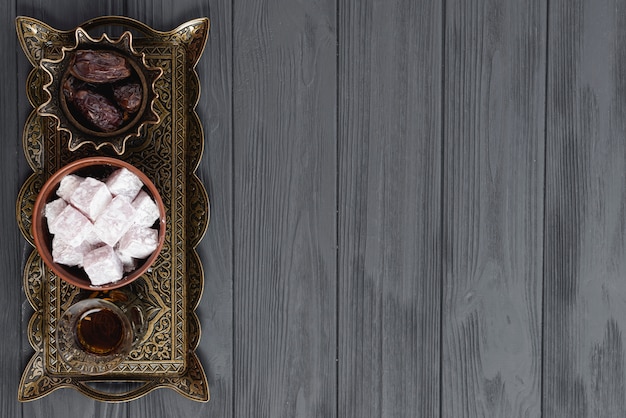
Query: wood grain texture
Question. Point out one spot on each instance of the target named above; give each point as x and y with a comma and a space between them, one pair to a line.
380, 244
493, 208
216, 249
285, 215
11, 295
215, 170
389, 208
585, 252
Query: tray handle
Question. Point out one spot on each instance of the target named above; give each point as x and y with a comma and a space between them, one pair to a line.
130, 395
120, 21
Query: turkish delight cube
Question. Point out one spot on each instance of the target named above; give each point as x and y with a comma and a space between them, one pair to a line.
115, 220
124, 182
103, 266
139, 242
64, 253
71, 226
92, 238
147, 210
129, 263
91, 197
67, 186
52, 210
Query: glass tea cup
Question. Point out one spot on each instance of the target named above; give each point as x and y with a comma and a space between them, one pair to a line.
95, 335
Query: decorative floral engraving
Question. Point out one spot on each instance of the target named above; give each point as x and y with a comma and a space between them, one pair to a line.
34, 35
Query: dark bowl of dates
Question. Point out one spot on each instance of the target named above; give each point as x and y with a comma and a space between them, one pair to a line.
89, 223
101, 91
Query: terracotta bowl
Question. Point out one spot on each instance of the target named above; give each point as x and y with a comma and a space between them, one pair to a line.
96, 167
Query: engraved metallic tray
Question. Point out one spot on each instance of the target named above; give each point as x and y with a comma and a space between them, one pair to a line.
168, 152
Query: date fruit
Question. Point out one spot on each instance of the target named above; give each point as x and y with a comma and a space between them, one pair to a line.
98, 110
99, 66
71, 86
128, 96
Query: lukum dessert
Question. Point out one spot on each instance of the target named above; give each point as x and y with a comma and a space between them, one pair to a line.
102, 89
106, 227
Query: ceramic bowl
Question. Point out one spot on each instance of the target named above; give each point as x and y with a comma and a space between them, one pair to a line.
99, 168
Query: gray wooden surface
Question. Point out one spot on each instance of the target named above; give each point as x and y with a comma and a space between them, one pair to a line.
493, 208
585, 267
389, 213
417, 208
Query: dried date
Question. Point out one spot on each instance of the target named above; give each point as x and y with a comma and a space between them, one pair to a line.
99, 66
128, 96
68, 88
71, 86
98, 110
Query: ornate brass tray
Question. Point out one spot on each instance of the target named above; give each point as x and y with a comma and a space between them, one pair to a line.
168, 152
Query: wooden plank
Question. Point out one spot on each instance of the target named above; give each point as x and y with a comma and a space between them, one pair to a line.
285, 208
389, 208
493, 208
215, 170
585, 237
11, 295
